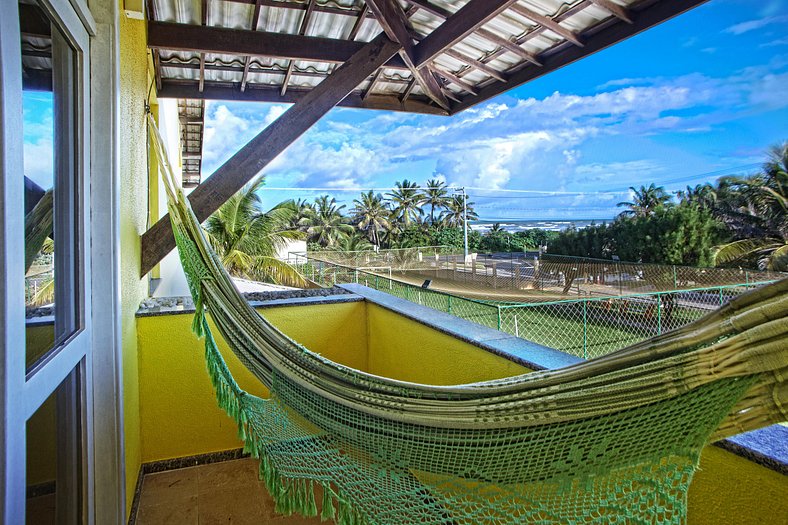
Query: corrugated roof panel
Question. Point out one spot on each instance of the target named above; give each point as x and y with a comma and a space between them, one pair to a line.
491, 44
178, 73
180, 11
233, 15
297, 80
266, 79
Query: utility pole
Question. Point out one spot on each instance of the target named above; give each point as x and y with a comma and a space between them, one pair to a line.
465, 221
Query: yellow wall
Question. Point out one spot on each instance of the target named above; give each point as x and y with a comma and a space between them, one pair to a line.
178, 411
402, 349
134, 86
732, 489
179, 416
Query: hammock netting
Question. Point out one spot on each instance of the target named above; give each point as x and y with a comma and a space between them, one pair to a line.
611, 440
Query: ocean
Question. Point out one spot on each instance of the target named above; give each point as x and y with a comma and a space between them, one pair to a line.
544, 224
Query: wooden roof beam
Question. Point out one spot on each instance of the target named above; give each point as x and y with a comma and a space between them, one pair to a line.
242, 167
254, 93
465, 21
547, 23
396, 25
620, 12
242, 42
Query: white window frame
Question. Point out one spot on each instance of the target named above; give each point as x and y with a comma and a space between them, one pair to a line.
94, 348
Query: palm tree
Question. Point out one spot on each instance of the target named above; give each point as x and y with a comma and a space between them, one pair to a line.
704, 195
436, 195
325, 223
496, 228
303, 206
247, 239
354, 243
756, 210
453, 215
406, 201
371, 215
646, 200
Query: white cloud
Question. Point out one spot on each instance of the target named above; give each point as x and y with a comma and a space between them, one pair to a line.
531, 143
771, 91
39, 162
758, 23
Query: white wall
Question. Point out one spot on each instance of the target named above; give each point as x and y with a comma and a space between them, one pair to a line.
173, 280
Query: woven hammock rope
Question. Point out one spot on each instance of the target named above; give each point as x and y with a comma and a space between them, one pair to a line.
612, 440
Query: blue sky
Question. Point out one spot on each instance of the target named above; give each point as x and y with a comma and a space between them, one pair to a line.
701, 95
705, 92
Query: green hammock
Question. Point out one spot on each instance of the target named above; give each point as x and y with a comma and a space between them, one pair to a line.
612, 440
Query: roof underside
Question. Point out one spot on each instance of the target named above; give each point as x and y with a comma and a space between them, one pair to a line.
276, 51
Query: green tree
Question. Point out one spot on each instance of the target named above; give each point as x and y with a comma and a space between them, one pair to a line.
645, 201
247, 239
755, 209
406, 202
685, 234
436, 195
354, 243
452, 216
704, 195
324, 222
371, 216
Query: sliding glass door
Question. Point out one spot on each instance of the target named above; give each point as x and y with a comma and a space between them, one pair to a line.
45, 307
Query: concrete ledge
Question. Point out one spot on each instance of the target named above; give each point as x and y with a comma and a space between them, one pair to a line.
766, 446
188, 307
525, 353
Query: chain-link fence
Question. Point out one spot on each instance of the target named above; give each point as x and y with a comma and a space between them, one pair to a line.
531, 277
587, 327
592, 327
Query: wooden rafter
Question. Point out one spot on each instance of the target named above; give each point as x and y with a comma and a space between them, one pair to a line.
536, 32
604, 35
253, 93
476, 64
157, 68
457, 81
301, 31
158, 241
248, 58
616, 10
372, 83
359, 21
329, 8
547, 22
396, 25
202, 71
465, 21
408, 90
186, 37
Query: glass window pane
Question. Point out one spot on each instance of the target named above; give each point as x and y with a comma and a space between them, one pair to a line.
54, 456
51, 179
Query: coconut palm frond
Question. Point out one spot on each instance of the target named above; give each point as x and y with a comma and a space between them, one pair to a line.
743, 249
778, 259
38, 226
279, 272
45, 293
